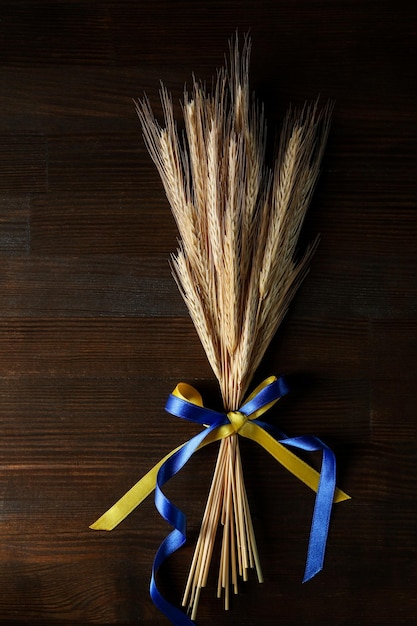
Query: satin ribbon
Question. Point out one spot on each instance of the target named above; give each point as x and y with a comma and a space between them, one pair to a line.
187, 403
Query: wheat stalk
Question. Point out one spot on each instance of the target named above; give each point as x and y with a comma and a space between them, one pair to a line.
239, 222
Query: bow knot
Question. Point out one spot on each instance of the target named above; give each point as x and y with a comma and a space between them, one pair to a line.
237, 420
186, 402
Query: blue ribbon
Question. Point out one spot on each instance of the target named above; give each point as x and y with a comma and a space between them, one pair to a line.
212, 420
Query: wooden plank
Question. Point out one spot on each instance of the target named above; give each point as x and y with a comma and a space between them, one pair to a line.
393, 413
89, 286
131, 285
97, 162
102, 347
376, 213
64, 32
394, 372
333, 344
111, 347
362, 282
83, 169
84, 99
123, 421
104, 222
14, 225
23, 166
104, 422
392, 346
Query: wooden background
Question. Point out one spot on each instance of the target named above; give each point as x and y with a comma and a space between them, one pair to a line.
94, 336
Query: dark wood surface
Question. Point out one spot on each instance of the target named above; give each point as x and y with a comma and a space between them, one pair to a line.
94, 336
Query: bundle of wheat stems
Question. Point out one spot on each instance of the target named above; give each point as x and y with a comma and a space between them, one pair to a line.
239, 222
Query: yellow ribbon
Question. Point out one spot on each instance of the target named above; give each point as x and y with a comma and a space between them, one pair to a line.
239, 423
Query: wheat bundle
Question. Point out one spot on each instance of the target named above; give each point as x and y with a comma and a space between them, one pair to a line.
237, 268
239, 223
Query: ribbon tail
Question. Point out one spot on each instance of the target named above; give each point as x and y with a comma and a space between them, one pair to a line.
144, 487
174, 614
296, 466
132, 498
174, 516
324, 484
321, 516
323, 504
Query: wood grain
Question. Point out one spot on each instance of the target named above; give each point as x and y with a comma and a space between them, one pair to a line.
94, 335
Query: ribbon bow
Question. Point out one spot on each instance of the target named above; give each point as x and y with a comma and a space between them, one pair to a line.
186, 402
